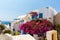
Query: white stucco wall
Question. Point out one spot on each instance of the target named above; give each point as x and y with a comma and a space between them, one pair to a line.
47, 13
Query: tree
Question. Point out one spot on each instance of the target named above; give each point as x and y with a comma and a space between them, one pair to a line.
7, 31
2, 27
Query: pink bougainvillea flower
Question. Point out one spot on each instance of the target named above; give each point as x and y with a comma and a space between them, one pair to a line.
34, 13
37, 26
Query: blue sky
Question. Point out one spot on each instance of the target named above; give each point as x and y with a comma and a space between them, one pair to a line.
10, 9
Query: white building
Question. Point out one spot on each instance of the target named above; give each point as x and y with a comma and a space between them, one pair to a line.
45, 13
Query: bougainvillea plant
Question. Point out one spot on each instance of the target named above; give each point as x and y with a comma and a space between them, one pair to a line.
37, 26
34, 13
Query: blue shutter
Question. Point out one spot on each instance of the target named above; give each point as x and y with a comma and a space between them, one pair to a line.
33, 17
40, 15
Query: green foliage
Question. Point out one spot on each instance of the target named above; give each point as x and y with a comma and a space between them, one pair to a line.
7, 31
2, 27
57, 27
17, 33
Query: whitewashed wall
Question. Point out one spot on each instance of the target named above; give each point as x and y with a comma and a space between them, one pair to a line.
47, 13
18, 37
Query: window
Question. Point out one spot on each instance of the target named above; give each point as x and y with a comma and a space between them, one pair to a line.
40, 15
33, 17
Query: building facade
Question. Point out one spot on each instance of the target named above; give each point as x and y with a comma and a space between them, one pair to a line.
45, 13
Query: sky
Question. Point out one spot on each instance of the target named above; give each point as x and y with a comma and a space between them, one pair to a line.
10, 9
